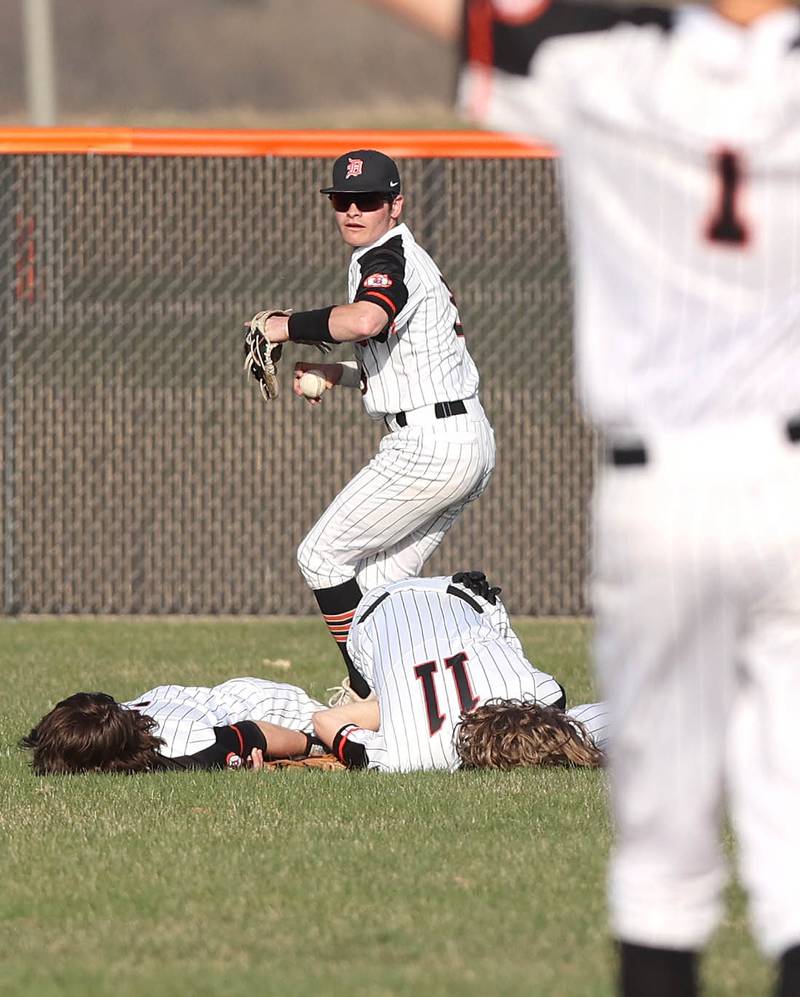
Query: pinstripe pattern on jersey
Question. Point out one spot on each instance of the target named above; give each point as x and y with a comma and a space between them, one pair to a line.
423, 360
395, 511
371, 609
421, 622
705, 332
186, 715
594, 717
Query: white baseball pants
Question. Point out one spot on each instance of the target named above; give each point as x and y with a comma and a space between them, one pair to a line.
392, 516
697, 598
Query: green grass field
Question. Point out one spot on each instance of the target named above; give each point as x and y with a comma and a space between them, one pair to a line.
297, 882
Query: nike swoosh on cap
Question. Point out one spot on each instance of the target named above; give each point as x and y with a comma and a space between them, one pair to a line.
394, 183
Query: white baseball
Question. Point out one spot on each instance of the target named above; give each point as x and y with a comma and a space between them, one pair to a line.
313, 384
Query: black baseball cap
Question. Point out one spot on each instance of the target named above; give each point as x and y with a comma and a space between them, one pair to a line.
364, 171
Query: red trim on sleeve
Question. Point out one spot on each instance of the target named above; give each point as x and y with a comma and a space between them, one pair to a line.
389, 302
343, 735
241, 739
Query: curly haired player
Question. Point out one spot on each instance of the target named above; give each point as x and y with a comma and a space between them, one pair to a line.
416, 375
431, 649
509, 733
174, 727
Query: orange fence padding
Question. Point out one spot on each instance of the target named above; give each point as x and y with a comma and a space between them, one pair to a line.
218, 142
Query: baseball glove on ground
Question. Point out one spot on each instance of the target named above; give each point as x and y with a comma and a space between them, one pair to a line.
261, 356
327, 763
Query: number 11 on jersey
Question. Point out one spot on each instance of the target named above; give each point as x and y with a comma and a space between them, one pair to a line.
456, 666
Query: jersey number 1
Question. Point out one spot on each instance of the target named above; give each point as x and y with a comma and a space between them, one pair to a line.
457, 667
726, 225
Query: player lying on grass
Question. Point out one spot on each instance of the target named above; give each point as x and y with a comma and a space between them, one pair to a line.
500, 734
433, 650
505, 734
175, 727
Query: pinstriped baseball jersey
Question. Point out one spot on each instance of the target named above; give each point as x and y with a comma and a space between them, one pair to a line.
681, 139
187, 715
594, 717
421, 357
432, 650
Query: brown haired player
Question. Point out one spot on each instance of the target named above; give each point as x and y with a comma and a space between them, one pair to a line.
174, 727
432, 650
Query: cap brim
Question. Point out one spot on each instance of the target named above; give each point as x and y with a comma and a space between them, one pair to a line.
355, 190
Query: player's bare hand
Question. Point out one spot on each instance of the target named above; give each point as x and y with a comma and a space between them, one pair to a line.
256, 760
332, 372
272, 324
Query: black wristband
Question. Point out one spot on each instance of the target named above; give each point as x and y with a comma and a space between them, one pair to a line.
311, 327
251, 736
353, 755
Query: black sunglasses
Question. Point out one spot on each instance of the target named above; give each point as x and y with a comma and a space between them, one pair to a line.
364, 202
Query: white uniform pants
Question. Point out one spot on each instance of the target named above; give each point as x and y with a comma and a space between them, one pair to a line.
392, 516
697, 597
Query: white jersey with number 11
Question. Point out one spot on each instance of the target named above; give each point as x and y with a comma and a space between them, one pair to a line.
431, 651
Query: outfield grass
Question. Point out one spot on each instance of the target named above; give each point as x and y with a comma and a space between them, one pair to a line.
300, 883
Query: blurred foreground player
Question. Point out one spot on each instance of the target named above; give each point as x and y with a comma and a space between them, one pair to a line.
416, 376
431, 650
680, 134
174, 727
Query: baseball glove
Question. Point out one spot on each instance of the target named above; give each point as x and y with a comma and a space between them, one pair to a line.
326, 763
261, 356
478, 583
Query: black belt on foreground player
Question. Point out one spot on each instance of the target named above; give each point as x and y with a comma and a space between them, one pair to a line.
635, 454
442, 410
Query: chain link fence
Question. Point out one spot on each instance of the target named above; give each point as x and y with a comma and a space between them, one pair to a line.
141, 471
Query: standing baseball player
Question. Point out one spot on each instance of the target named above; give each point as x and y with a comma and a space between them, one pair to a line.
416, 375
432, 650
680, 133
174, 727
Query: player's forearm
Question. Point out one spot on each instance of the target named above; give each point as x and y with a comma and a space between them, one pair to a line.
338, 324
347, 374
327, 723
282, 742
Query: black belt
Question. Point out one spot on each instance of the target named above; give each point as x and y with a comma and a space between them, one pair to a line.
631, 456
441, 410
635, 455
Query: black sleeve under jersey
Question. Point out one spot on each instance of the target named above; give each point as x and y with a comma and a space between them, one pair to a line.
231, 748
509, 45
382, 281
